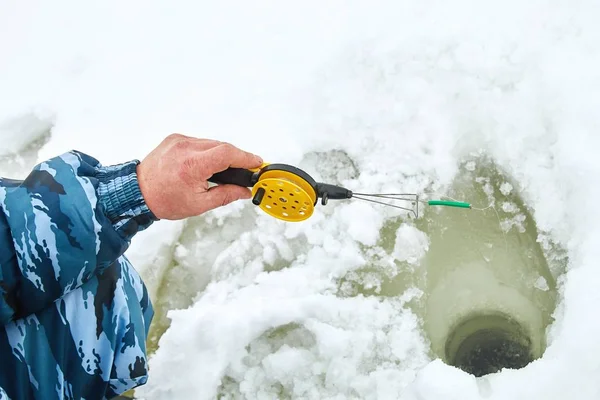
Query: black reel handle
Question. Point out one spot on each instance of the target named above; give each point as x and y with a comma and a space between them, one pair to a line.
332, 192
246, 178
234, 176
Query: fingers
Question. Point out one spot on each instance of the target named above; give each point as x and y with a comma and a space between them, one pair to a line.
185, 144
225, 155
202, 158
214, 156
222, 195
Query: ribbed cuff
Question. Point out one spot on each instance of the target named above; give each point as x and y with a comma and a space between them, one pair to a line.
121, 198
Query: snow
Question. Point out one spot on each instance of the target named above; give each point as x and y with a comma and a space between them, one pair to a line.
406, 90
20, 131
411, 244
362, 222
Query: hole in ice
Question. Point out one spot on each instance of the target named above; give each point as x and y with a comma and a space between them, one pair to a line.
486, 344
472, 267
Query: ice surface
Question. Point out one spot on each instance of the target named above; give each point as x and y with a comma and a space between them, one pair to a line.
406, 90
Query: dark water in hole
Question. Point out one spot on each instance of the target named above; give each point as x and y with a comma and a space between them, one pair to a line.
486, 344
489, 351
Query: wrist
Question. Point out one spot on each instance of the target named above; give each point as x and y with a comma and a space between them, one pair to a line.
121, 197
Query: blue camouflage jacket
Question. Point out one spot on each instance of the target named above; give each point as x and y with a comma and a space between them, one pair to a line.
74, 314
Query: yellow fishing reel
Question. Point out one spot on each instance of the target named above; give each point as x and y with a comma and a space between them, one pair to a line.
290, 194
282, 191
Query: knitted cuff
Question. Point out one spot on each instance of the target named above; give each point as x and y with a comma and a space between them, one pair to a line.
120, 195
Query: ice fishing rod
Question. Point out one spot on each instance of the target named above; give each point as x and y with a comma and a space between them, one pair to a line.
290, 194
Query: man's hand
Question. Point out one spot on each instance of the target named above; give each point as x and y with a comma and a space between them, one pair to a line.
173, 177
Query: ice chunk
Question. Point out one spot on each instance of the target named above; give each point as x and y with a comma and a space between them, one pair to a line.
509, 207
411, 244
506, 188
541, 283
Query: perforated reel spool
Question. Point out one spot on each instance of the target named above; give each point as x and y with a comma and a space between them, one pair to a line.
287, 196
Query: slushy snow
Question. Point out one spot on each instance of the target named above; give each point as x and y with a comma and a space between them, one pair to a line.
405, 91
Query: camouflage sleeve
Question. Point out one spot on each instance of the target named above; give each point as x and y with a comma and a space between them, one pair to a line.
69, 219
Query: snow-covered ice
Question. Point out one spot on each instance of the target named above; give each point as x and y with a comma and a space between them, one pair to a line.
378, 96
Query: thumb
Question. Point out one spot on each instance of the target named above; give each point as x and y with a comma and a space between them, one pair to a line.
222, 195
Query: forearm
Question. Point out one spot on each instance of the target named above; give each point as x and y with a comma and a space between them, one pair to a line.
70, 218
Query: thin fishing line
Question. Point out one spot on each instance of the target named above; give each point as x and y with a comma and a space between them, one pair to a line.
483, 210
